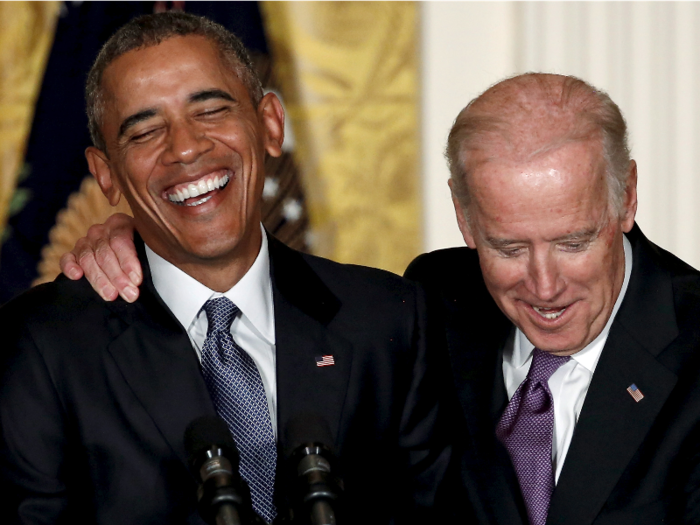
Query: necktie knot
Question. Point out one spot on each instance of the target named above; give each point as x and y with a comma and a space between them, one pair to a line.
544, 365
220, 313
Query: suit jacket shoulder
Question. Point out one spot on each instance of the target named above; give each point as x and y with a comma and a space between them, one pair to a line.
94, 399
114, 385
629, 462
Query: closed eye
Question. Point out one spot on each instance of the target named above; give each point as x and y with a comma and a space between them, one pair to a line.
575, 246
143, 136
510, 252
214, 112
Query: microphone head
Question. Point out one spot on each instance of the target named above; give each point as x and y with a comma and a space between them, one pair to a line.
207, 432
213, 460
315, 486
306, 429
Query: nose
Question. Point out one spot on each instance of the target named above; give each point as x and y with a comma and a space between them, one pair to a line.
186, 143
544, 277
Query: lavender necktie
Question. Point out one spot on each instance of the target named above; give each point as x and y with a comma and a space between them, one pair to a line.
526, 428
238, 394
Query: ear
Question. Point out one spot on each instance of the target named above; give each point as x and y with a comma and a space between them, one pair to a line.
461, 218
629, 206
99, 166
271, 114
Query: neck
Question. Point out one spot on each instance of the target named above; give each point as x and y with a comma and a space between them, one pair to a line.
221, 276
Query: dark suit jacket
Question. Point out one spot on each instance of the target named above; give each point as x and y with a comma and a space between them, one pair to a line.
629, 462
95, 397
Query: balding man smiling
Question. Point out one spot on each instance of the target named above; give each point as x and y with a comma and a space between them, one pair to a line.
575, 342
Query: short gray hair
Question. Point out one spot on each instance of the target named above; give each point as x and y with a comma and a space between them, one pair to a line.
593, 113
151, 30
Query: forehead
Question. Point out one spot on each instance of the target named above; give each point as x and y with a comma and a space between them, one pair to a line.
555, 188
161, 73
533, 113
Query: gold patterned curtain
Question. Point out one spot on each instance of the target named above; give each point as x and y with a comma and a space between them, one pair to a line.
349, 75
26, 34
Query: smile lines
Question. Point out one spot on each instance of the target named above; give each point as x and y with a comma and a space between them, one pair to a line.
202, 187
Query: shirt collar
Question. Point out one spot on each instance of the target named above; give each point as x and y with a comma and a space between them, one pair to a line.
185, 296
588, 356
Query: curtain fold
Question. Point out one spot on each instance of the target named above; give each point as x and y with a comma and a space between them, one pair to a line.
349, 76
26, 34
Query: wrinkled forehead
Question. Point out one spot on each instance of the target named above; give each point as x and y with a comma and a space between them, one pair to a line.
569, 177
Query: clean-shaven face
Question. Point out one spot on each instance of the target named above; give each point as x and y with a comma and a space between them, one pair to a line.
550, 247
186, 147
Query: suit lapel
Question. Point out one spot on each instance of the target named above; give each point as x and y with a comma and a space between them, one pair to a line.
612, 425
475, 352
155, 356
476, 334
157, 361
304, 307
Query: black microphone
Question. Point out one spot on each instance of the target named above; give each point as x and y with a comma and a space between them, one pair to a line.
223, 497
317, 488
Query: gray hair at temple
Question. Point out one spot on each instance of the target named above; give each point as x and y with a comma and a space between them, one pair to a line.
575, 111
151, 30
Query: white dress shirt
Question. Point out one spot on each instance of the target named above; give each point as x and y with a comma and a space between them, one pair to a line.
253, 328
569, 384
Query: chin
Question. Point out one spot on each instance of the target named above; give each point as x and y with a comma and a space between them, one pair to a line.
553, 342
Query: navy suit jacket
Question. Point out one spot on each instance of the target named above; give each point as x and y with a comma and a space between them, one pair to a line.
95, 397
629, 462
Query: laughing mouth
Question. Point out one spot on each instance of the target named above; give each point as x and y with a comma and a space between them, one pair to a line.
202, 188
549, 313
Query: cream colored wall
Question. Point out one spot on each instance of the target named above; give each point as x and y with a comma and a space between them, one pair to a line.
645, 54
465, 47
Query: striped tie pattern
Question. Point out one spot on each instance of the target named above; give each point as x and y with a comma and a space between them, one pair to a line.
238, 394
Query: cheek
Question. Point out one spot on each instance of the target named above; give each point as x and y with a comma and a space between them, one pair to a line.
501, 275
590, 273
139, 165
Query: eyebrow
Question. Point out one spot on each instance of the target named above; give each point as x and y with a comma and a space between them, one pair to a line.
134, 119
583, 234
209, 94
500, 243
199, 96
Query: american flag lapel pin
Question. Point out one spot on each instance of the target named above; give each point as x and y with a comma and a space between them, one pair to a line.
635, 392
325, 360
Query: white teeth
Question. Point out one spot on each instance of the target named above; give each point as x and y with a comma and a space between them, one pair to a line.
199, 188
200, 201
547, 313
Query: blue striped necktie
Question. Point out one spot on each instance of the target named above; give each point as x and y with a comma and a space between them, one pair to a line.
238, 394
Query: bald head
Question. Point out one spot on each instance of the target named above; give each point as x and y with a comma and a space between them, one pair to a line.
532, 115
